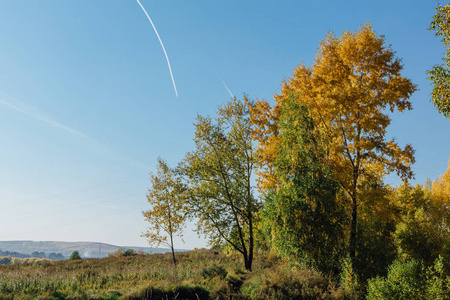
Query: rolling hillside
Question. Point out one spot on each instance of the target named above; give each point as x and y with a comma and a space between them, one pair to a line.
86, 249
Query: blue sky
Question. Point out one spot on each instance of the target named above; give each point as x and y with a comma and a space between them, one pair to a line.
87, 103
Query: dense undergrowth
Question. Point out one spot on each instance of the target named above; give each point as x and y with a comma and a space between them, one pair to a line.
200, 274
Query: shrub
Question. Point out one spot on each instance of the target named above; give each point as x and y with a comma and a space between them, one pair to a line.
284, 282
411, 280
5, 260
417, 237
438, 283
178, 292
234, 282
117, 253
214, 271
405, 280
375, 249
112, 295
272, 256
75, 255
349, 280
129, 252
122, 252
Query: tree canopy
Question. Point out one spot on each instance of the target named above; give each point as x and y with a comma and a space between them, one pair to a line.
219, 175
439, 74
306, 218
167, 215
354, 79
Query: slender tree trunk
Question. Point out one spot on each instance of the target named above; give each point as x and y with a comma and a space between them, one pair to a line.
353, 226
251, 241
173, 251
353, 231
171, 235
354, 196
173, 257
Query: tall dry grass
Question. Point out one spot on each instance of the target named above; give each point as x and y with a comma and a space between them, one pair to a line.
200, 274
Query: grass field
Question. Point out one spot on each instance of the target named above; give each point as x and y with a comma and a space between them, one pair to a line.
200, 274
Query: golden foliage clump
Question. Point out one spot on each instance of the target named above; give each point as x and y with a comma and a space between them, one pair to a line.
440, 191
265, 132
353, 80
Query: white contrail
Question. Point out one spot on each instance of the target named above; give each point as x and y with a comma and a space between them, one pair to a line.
231, 94
95, 146
167, 58
40, 117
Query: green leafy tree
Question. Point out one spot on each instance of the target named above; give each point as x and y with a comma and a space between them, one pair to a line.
439, 74
167, 216
219, 174
75, 255
305, 214
419, 235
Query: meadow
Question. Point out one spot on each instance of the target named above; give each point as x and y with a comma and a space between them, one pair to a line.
199, 274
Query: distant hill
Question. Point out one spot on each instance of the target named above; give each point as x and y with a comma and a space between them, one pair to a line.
86, 249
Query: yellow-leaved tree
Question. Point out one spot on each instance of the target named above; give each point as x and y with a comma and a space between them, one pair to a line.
440, 191
354, 79
167, 215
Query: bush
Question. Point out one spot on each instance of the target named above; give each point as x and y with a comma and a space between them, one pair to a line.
112, 295
405, 280
129, 252
285, 282
411, 280
214, 271
75, 255
234, 282
417, 237
178, 292
122, 252
349, 280
375, 250
119, 252
5, 260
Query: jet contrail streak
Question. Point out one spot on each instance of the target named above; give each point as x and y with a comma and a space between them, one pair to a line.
167, 58
231, 94
98, 147
44, 119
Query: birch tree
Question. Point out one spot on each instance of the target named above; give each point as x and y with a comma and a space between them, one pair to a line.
167, 215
